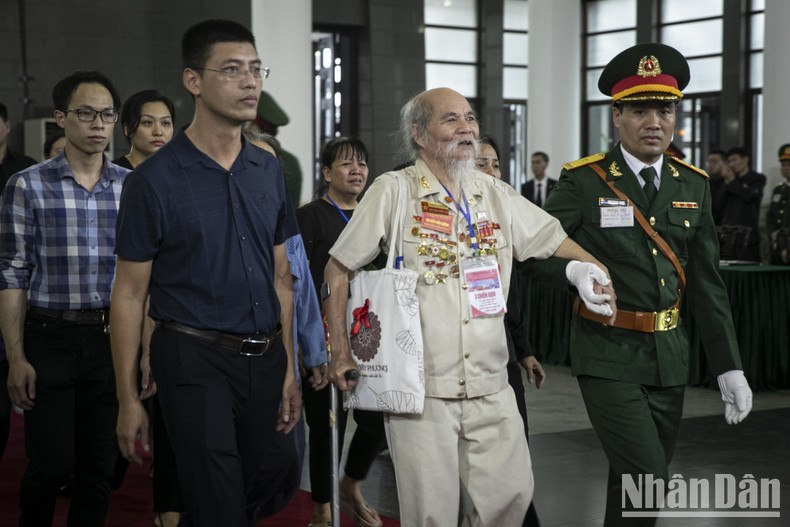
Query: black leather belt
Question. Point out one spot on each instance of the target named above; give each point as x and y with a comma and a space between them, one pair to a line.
81, 317
251, 346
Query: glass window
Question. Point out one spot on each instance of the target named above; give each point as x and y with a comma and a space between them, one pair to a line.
757, 31
756, 70
678, 10
602, 48
592, 85
460, 77
516, 15
601, 134
515, 82
705, 75
606, 15
454, 45
515, 48
461, 13
694, 38
757, 136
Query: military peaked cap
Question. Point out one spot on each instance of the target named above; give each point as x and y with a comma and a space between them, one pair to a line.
270, 111
784, 153
645, 72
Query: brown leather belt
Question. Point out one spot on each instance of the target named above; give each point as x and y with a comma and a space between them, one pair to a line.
251, 346
80, 317
665, 320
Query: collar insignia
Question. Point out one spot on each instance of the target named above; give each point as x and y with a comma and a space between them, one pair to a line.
674, 171
614, 170
648, 67
424, 183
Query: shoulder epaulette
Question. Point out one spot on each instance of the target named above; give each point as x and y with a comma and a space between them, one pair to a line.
583, 161
690, 167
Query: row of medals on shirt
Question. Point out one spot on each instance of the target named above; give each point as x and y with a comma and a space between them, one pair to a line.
441, 252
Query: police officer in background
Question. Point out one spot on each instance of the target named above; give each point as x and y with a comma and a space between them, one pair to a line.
632, 371
778, 217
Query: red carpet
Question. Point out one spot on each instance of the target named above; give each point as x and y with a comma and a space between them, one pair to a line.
131, 504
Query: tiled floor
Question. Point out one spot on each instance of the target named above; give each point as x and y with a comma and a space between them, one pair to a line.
570, 467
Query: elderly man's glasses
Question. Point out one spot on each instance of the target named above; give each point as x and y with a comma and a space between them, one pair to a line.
88, 116
234, 73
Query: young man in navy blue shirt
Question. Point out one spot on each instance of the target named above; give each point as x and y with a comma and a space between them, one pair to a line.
202, 227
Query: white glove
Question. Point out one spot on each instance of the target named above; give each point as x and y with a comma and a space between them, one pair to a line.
737, 396
584, 275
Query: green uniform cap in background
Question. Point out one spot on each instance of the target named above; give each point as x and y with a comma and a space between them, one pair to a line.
270, 111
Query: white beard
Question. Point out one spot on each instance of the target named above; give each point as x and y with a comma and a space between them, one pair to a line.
456, 166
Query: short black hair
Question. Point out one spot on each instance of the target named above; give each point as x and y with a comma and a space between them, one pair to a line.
339, 146
51, 141
544, 155
739, 151
488, 140
130, 114
719, 152
3, 112
65, 88
198, 39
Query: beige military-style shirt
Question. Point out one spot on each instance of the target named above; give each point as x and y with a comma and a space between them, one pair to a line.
464, 356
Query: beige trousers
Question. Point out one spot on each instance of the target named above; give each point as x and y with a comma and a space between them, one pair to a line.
478, 442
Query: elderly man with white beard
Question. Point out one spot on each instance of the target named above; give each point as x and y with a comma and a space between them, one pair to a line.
460, 224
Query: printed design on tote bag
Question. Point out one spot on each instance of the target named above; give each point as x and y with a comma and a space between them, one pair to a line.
365, 333
390, 401
404, 294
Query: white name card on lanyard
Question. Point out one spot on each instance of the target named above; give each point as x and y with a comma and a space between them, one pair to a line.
484, 287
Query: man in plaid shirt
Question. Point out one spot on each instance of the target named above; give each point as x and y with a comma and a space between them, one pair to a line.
57, 236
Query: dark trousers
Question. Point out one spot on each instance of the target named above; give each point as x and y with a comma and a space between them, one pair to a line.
167, 492
220, 409
5, 407
71, 428
517, 383
638, 427
368, 442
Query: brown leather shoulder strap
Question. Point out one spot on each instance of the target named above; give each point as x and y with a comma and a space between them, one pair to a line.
651, 232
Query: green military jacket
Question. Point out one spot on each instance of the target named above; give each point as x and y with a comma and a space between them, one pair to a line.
644, 279
778, 216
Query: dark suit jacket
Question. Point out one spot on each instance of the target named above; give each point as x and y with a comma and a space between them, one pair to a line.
739, 203
643, 279
528, 188
14, 162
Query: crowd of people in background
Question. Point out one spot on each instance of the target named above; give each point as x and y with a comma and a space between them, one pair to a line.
214, 279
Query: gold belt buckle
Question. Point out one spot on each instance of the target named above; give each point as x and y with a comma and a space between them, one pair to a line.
666, 319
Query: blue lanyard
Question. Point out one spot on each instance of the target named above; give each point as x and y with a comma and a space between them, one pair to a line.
343, 214
465, 213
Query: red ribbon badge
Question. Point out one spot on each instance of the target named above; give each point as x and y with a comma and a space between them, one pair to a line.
360, 317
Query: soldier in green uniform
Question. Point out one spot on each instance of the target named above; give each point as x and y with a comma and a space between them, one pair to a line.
270, 118
632, 370
778, 217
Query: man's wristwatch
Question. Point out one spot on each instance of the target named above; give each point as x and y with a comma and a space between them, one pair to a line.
325, 291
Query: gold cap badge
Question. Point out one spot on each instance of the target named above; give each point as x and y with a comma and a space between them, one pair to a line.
648, 67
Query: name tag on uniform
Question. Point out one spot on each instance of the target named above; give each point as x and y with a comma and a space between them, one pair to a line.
617, 216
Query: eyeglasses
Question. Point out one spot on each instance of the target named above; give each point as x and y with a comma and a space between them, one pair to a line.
234, 73
88, 116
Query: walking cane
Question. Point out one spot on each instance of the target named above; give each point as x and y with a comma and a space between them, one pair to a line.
333, 412
350, 375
